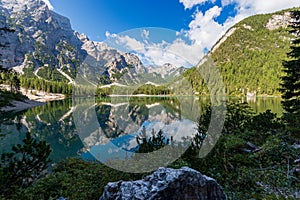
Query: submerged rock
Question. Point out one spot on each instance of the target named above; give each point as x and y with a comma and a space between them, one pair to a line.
166, 183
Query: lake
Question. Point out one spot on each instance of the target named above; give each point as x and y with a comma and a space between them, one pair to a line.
107, 127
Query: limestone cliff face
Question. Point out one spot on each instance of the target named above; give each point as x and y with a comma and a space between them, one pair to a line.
40, 35
43, 38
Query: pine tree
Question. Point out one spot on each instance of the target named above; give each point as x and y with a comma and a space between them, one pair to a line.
24, 165
290, 86
14, 83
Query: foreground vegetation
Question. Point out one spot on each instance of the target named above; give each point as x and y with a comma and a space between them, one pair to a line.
254, 158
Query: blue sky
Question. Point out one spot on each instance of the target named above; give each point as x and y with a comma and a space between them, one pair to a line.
95, 17
197, 23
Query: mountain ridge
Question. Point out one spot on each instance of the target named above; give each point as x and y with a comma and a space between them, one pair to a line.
44, 45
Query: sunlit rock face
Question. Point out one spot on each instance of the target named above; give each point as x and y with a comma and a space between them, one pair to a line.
43, 38
40, 37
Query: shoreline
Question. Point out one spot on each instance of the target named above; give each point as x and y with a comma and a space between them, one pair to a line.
146, 95
18, 106
35, 98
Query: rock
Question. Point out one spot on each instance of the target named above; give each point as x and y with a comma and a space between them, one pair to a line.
62, 198
166, 183
279, 21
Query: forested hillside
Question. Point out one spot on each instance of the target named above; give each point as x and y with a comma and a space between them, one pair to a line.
250, 55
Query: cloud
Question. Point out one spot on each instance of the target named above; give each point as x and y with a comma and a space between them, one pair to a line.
259, 7
47, 2
131, 43
202, 33
246, 8
145, 34
250, 6
191, 53
204, 30
188, 4
124, 43
178, 52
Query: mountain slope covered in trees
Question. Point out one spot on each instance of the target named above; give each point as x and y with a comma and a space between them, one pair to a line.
249, 56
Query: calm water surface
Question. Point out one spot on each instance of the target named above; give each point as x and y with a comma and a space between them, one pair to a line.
119, 120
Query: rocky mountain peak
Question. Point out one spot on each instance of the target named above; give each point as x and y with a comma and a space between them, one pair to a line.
18, 7
39, 33
163, 70
44, 39
169, 67
81, 36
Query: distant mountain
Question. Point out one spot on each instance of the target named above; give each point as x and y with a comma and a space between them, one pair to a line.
44, 45
166, 70
249, 56
107, 65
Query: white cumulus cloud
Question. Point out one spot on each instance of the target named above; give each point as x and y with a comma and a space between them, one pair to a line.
191, 53
246, 8
145, 34
124, 42
258, 6
188, 4
177, 52
203, 29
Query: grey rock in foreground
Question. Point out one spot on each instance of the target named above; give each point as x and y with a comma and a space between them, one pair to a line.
166, 183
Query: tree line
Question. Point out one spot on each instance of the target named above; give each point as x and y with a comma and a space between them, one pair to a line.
46, 86
15, 82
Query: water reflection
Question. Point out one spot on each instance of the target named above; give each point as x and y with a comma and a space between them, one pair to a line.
118, 122
108, 128
51, 122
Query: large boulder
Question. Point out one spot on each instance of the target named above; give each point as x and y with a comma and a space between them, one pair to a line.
166, 183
